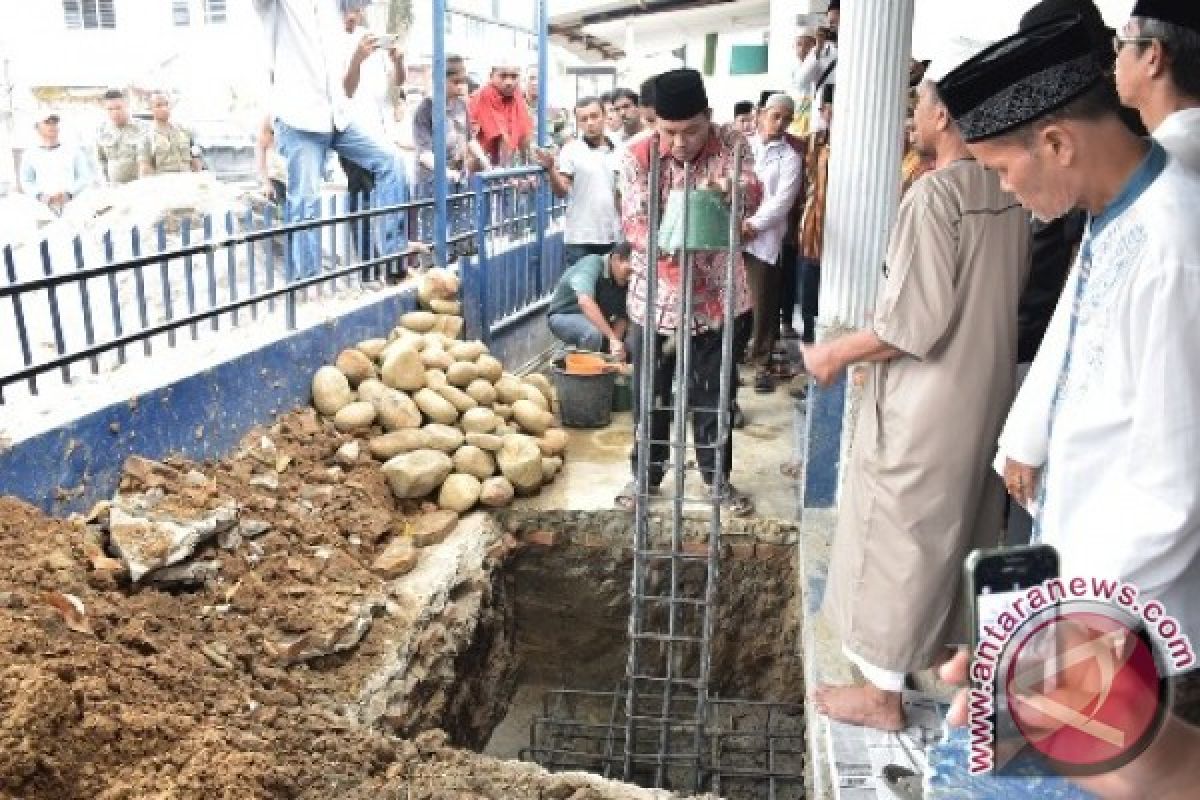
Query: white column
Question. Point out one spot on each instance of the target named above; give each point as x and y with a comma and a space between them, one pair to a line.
781, 56
874, 47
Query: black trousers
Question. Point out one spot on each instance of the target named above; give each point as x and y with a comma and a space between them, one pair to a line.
810, 290
360, 182
788, 267
704, 392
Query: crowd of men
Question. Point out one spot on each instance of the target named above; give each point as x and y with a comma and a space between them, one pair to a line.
124, 149
1049, 184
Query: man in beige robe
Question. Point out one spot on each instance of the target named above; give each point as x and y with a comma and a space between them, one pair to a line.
919, 491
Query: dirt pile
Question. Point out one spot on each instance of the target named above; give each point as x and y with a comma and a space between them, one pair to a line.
214, 682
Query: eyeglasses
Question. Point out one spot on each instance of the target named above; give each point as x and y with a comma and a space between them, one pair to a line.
1120, 41
624, 106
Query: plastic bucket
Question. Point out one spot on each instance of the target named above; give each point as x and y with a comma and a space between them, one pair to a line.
584, 401
708, 221
622, 395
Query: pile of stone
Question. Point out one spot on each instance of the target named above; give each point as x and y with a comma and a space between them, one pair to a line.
442, 415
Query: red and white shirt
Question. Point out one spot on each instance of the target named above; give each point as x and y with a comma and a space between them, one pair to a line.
715, 162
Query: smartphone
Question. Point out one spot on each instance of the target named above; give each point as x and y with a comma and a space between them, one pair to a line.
995, 579
385, 41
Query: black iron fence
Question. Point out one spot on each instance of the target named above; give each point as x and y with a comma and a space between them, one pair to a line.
192, 277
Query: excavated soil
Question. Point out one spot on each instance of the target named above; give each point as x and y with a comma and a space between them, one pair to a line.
111, 692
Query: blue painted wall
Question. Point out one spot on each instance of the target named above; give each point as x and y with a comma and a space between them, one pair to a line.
202, 416
826, 411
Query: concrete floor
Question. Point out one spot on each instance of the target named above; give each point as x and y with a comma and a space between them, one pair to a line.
598, 466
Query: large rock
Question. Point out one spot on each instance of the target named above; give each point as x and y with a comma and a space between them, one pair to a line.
532, 419
437, 283
472, 460
486, 441
347, 455
402, 339
390, 445
418, 473
436, 407
543, 385
445, 306
553, 442
147, 539
355, 365
462, 373
396, 410
443, 437
534, 395
462, 401
436, 358
520, 460
355, 417
372, 348
480, 420
398, 558
403, 370
496, 492
490, 368
508, 389
331, 390
419, 321
449, 324
467, 351
371, 388
432, 528
482, 392
460, 492
550, 468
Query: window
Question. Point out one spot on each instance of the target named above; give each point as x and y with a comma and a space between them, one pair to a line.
181, 14
89, 14
214, 12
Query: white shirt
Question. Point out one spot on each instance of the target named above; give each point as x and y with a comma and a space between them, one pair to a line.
371, 106
1121, 475
780, 169
805, 79
1180, 135
306, 48
48, 171
592, 216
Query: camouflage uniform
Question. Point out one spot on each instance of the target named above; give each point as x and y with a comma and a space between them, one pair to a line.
118, 149
168, 149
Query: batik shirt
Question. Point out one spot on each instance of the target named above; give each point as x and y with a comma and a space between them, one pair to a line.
715, 163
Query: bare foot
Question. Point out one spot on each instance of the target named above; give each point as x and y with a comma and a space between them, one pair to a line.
865, 706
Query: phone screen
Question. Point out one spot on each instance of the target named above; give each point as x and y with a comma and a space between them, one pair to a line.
998, 578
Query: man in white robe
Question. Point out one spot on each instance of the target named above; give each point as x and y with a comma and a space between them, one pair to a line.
1158, 73
1103, 441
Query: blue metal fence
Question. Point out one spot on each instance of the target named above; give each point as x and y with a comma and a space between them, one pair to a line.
519, 250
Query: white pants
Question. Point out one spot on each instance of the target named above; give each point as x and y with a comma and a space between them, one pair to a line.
880, 678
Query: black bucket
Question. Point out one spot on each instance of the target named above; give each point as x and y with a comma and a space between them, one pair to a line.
584, 401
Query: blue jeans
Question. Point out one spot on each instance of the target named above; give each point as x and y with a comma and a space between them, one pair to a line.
577, 331
305, 152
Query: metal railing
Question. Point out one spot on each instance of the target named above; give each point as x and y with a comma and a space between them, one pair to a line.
519, 249
206, 275
201, 274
